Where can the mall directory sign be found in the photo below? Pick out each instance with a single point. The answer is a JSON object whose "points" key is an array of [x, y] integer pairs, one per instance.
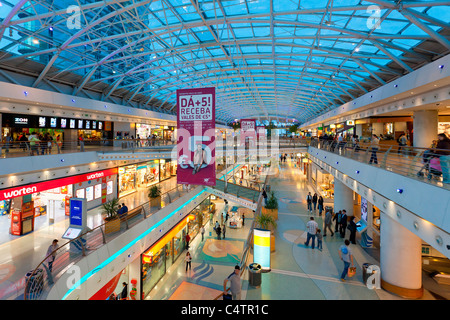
{"points": [[78, 212], [196, 136]]}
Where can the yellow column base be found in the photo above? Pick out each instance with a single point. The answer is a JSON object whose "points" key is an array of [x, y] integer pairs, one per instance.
{"points": [[402, 292]]}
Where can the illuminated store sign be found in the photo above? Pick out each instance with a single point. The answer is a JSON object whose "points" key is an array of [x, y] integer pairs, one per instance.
{"points": [[21, 121], [43, 186]]}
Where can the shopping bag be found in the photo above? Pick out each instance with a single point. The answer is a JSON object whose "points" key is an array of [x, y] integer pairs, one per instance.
{"points": [[351, 271]]}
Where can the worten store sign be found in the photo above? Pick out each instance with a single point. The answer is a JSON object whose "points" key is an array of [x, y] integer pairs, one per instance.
{"points": [[10, 193]]}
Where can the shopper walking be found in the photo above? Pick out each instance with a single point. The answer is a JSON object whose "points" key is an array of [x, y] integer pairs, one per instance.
{"points": [[320, 205], [319, 239], [81, 140], [218, 231], [345, 254], [33, 141], [327, 223], [402, 142], [343, 224], [352, 227], [374, 146], [235, 284], [224, 229], [187, 238], [124, 293], [311, 228], [337, 218], [314, 201], [188, 260], [8, 142], [264, 194], [443, 153], [202, 232], [309, 202], [51, 254]]}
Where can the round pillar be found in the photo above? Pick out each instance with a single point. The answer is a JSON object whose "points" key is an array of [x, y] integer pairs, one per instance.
{"points": [[425, 126], [400, 258], [343, 197]]}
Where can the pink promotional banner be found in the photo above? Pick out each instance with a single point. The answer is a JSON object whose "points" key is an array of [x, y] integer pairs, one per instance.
{"points": [[196, 136], [248, 131], [260, 132]]}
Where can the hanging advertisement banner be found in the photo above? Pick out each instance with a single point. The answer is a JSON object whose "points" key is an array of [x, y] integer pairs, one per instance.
{"points": [[196, 136], [248, 132]]}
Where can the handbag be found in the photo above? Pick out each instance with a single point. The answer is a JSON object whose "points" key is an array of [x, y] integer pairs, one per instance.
{"points": [[351, 271], [227, 296]]}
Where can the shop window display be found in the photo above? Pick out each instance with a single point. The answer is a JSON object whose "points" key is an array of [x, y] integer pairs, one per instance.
{"points": [[178, 244], [127, 180], [147, 174], [164, 169], [153, 269]]}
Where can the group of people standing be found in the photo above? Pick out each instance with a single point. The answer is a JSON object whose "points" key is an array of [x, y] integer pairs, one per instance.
{"points": [[342, 223], [316, 201], [36, 142]]}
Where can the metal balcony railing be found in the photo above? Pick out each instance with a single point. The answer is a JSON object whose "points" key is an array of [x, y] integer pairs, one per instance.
{"points": [[39, 281], [423, 164]]}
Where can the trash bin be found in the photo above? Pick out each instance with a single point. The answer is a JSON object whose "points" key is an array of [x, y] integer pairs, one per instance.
{"points": [[35, 284], [254, 272], [365, 274]]}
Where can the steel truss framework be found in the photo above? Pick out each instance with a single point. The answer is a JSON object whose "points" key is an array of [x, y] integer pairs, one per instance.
{"points": [[284, 59]]}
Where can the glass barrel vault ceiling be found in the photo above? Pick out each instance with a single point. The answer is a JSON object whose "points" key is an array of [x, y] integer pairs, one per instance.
{"points": [[269, 59]]}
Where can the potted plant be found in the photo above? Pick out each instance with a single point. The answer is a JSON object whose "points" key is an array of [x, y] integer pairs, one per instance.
{"points": [[154, 193], [271, 208], [267, 222], [112, 220]]}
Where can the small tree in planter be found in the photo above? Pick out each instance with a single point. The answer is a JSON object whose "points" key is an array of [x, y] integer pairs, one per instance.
{"points": [[267, 222], [154, 193], [112, 220], [271, 208]]}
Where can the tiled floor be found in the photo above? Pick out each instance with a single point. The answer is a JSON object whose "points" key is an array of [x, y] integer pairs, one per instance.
{"points": [[297, 272]]}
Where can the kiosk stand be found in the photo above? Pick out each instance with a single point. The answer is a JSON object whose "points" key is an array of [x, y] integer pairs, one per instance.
{"points": [[78, 223], [22, 219]]}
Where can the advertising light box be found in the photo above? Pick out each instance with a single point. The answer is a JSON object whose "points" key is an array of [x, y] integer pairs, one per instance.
{"points": [[261, 248]]}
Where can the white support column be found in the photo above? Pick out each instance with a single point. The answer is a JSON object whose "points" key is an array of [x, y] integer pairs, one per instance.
{"points": [[134, 272], [400, 258], [343, 197], [425, 125]]}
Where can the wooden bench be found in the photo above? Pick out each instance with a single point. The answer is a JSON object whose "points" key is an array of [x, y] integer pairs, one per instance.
{"points": [[131, 214]]}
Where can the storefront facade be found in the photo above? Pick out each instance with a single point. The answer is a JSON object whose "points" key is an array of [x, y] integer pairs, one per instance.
{"points": [[33, 206], [323, 181], [157, 259], [127, 180], [147, 173]]}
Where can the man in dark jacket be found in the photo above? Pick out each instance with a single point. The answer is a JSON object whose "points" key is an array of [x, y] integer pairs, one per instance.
{"points": [[337, 218], [352, 227], [343, 224]]}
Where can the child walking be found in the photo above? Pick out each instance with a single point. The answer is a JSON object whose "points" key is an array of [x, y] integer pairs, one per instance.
{"points": [[319, 239]]}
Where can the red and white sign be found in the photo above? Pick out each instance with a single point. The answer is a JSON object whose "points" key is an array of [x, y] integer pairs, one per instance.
{"points": [[196, 136], [107, 289], [10, 193]]}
